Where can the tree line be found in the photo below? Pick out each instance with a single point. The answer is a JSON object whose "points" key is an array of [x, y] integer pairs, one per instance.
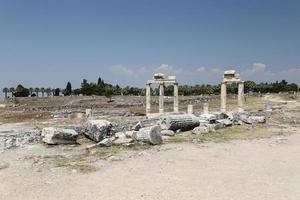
{"points": [[105, 89]]}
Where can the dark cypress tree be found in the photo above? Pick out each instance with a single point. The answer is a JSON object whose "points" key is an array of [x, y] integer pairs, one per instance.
{"points": [[68, 90]]}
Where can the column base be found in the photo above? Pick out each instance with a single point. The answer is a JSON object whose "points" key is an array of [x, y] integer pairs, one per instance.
{"points": [[223, 110]]}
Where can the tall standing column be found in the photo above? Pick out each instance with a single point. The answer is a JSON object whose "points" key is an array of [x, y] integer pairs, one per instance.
{"points": [[176, 100], [161, 98], [223, 97], [148, 98], [241, 97]]}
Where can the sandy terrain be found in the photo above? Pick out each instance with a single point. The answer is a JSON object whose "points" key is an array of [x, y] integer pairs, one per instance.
{"points": [[242, 162], [258, 169]]}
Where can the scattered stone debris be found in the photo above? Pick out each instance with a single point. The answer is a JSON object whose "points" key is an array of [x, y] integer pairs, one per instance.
{"points": [[183, 122], [9, 141], [167, 133], [225, 122], [107, 142], [97, 130], [250, 118], [200, 130], [51, 135], [150, 135]]}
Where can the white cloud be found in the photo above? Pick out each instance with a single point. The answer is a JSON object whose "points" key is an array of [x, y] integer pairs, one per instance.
{"points": [[121, 70], [165, 69], [257, 67], [200, 69], [258, 72]]}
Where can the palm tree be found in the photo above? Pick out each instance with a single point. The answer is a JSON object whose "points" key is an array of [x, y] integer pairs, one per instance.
{"points": [[37, 90], [53, 91], [31, 91], [48, 91], [12, 90], [5, 91], [43, 91]]}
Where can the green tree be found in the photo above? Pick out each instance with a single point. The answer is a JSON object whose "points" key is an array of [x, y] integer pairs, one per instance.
{"points": [[31, 90], [5, 91], [108, 93], [12, 91], [48, 91], [21, 91], [77, 92], [56, 92], [42, 91], [37, 90], [68, 90]]}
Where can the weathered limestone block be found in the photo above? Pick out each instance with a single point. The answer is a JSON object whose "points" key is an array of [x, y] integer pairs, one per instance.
{"points": [[205, 108], [53, 135], [250, 118], [97, 130], [268, 106], [225, 122], [107, 142], [129, 133], [200, 130], [137, 126], [88, 112], [184, 122], [257, 119], [150, 135], [207, 118], [123, 138], [190, 109], [167, 133]]}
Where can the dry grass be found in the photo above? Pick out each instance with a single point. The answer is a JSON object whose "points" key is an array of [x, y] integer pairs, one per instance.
{"points": [[232, 133]]}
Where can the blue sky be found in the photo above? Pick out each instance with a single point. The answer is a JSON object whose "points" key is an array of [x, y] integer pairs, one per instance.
{"points": [[49, 42]]}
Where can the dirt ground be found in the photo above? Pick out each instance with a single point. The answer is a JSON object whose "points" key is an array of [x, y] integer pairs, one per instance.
{"points": [[243, 162]]}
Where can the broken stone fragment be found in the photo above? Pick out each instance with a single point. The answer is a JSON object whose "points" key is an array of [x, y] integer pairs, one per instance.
{"points": [[184, 122], [123, 138], [137, 127], [225, 122], [250, 119], [129, 133], [150, 135], [107, 142], [257, 119], [53, 135], [200, 130], [97, 130], [167, 133]]}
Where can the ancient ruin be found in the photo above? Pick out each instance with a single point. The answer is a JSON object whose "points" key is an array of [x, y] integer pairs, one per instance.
{"points": [[230, 77], [160, 79]]}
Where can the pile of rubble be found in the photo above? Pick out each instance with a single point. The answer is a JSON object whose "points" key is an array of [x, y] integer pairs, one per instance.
{"points": [[151, 131], [8, 141]]}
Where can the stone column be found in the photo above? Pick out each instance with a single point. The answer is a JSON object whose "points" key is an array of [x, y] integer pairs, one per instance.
{"points": [[190, 109], [148, 98], [223, 97], [205, 108], [241, 97], [161, 98], [176, 100]]}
